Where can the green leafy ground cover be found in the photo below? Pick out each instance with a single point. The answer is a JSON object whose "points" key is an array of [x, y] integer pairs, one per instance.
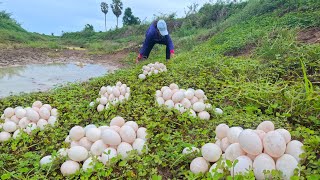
{"points": [[276, 82]]}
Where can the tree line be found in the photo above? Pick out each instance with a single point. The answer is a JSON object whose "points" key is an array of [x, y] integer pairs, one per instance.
{"points": [[117, 7]]}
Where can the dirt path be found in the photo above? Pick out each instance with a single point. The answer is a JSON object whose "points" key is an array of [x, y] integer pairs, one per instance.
{"points": [[23, 56]]}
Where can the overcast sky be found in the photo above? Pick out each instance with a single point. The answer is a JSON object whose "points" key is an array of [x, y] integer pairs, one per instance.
{"points": [[55, 16]]}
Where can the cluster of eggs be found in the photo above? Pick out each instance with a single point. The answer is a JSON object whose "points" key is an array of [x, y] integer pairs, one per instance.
{"points": [[111, 95], [27, 119], [102, 143], [262, 149], [183, 100], [151, 68]]}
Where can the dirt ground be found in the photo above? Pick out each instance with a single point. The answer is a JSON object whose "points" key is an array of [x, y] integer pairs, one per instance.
{"points": [[23, 56], [310, 35]]}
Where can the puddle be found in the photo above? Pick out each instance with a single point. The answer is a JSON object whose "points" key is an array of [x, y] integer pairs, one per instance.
{"points": [[31, 78]]}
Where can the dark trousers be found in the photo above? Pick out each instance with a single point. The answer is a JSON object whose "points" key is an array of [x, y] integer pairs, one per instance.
{"points": [[149, 48]]}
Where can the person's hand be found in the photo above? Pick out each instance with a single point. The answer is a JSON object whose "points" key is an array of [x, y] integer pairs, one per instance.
{"points": [[138, 58], [172, 55]]}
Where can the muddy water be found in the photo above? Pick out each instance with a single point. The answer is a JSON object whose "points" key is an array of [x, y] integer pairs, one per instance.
{"points": [[31, 78]]}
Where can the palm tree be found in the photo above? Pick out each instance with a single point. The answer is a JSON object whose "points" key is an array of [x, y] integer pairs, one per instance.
{"points": [[104, 9], [117, 7]]}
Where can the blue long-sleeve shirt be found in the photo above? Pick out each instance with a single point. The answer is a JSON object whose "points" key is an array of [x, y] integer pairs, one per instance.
{"points": [[153, 37]]}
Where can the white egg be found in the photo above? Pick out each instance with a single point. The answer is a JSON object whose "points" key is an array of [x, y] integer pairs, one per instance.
{"points": [[67, 140], [44, 113], [48, 106], [142, 133], [98, 147], [173, 86], [186, 103], [132, 124], [117, 121], [266, 126], [233, 134], [167, 94], [261, 163], [111, 137], [52, 120], [17, 133], [189, 94], [9, 126], [76, 133], [78, 153], [142, 76], [243, 166], [46, 160], [294, 148], [37, 104], [32, 115], [199, 106], [286, 134], [204, 115], [158, 93], [180, 107], [54, 112], [103, 100], [286, 164], [84, 142], [42, 123], [224, 144], [199, 165], [274, 144], [108, 154], [234, 151], [250, 142], [100, 107], [199, 93], [218, 111], [63, 152], [102, 128], [260, 133], [8, 112], [74, 143], [123, 149], [127, 134], [221, 131], [213, 170], [89, 126], [20, 113], [189, 150], [192, 113], [93, 134], [177, 97], [88, 164], [4, 136], [211, 152], [115, 128], [160, 101], [138, 145], [164, 88], [169, 104], [69, 168]]}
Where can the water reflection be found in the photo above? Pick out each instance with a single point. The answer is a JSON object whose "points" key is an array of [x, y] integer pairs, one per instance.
{"points": [[11, 71], [43, 77]]}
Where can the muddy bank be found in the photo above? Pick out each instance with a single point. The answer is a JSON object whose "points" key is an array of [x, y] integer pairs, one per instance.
{"points": [[25, 56]]}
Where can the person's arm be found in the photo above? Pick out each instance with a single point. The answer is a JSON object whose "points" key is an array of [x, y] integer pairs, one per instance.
{"points": [[171, 46], [146, 43]]}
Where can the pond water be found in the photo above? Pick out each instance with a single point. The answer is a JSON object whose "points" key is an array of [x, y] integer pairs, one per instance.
{"points": [[31, 78]]}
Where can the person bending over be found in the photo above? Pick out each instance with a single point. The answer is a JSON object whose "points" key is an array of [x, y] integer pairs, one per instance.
{"points": [[157, 33]]}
